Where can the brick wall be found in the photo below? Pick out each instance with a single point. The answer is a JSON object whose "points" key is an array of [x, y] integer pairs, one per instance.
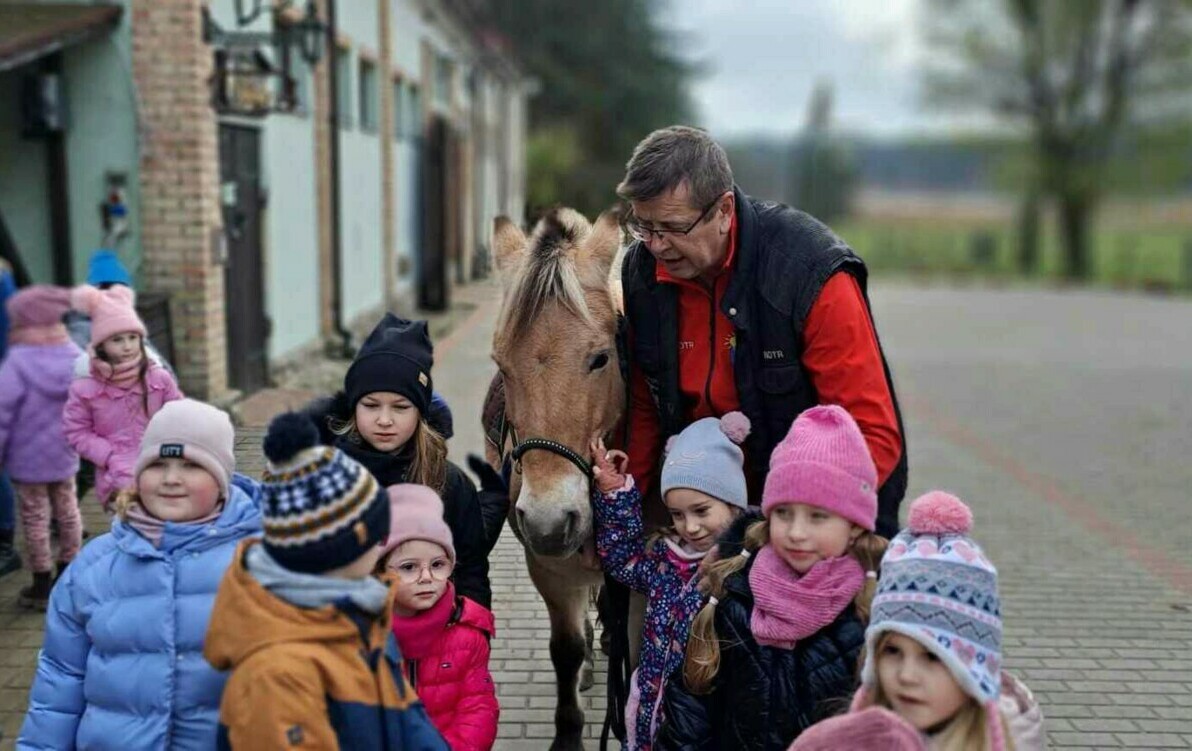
{"points": [[180, 185]]}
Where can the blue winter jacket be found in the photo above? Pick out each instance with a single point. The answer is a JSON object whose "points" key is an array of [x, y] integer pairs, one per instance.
{"points": [[122, 664]]}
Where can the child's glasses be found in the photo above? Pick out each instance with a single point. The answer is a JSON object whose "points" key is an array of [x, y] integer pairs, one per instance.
{"points": [[410, 572]]}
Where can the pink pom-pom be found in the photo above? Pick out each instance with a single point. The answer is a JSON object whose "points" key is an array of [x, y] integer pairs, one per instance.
{"points": [[939, 513], [670, 444], [736, 426], [84, 298], [125, 295]]}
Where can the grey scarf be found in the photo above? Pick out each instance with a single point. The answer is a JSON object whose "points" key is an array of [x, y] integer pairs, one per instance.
{"points": [[311, 591]]}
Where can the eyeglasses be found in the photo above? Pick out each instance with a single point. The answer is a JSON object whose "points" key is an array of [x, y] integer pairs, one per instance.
{"points": [[410, 572], [643, 233]]}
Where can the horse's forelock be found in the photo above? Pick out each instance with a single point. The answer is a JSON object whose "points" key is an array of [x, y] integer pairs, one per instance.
{"points": [[549, 272]]}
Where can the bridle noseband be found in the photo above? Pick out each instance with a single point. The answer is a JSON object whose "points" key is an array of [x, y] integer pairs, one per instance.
{"points": [[541, 444]]}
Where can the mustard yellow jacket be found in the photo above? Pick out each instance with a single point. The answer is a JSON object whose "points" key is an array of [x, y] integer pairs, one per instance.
{"points": [[322, 678]]}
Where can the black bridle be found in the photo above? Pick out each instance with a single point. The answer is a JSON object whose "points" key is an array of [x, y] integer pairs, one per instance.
{"points": [[541, 444]]}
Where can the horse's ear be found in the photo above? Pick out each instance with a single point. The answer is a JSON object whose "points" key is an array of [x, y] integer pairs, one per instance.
{"points": [[604, 241], [509, 244]]}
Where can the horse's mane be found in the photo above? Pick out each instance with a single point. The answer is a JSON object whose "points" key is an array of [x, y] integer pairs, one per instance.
{"points": [[548, 273]]}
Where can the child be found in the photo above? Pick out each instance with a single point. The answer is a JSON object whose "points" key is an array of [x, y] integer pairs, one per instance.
{"points": [[122, 664], [380, 420], [107, 411], [443, 636], [9, 559], [34, 380], [778, 642], [703, 487], [873, 729], [300, 621], [104, 270], [935, 657]]}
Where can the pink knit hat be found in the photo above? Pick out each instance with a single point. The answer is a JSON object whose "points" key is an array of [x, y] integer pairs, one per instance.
{"points": [[416, 513], [824, 462], [192, 430], [873, 729], [38, 305], [111, 311]]}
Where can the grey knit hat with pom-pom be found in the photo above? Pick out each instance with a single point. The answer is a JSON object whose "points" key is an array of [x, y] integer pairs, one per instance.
{"points": [[707, 457], [322, 510]]}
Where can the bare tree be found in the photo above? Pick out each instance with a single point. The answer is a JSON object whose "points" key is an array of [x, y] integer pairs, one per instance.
{"points": [[1077, 73]]}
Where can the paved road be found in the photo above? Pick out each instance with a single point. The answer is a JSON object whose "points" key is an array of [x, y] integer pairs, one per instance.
{"points": [[1062, 417]]}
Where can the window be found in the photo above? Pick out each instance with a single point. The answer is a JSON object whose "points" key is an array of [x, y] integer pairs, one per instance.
{"points": [[413, 112], [369, 93], [398, 110], [343, 79], [444, 75]]}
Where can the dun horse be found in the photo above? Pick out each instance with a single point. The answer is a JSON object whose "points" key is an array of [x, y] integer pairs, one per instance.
{"points": [[555, 346]]}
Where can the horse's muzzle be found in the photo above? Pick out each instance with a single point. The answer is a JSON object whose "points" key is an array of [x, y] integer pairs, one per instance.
{"points": [[556, 539]]}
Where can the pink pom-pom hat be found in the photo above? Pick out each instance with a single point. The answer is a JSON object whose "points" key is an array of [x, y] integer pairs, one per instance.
{"points": [[111, 311]]}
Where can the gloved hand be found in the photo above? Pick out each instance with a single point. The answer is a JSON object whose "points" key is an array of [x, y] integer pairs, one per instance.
{"points": [[490, 479]]}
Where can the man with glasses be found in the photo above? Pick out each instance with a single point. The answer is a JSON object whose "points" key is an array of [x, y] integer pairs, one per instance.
{"points": [[738, 304]]}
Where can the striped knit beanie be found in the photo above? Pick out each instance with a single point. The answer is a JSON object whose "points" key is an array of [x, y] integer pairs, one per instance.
{"points": [[321, 509], [938, 588]]}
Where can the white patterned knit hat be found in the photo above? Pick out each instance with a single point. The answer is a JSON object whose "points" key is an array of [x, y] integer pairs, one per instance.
{"points": [[938, 588]]}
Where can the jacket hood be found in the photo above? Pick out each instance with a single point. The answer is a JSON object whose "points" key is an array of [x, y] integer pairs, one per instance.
{"points": [[247, 618], [47, 369], [733, 539]]}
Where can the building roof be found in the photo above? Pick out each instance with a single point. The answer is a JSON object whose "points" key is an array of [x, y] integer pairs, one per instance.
{"points": [[29, 31]]}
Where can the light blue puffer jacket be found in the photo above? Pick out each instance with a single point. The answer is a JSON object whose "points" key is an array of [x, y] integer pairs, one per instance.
{"points": [[122, 664]]}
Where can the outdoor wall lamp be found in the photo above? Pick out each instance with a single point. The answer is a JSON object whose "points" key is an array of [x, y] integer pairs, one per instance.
{"points": [[310, 29]]}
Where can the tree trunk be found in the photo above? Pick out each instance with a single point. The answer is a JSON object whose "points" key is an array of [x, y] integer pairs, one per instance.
{"points": [[1076, 213], [1028, 233]]}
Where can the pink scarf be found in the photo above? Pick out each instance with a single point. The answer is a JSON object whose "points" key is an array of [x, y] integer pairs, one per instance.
{"points": [[788, 607], [417, 634], [152, 528], [54, 333], [123, 375]]}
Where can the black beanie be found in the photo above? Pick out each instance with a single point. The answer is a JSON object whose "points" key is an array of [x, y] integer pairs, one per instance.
{"points": [[397, 357]]}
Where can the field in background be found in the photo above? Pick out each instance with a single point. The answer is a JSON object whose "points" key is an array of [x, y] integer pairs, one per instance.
{"points": [[1133, 247]]}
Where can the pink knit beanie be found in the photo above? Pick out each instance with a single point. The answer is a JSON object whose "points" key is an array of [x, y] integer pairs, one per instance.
{"points": [[416, 513], [873, 729], [824, 462], [192, 430], [38, 305], [111, 311]]}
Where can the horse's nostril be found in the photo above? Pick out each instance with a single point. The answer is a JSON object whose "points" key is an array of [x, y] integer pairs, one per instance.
{"points": [[521, 518], [571, 524]]}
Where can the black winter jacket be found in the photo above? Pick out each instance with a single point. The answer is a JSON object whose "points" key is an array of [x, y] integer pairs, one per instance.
{"points": [[762, 697], [461, 503]]}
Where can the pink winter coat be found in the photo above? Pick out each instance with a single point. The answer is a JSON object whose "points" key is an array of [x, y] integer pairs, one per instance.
{"points": [[446, 652], [105, 422]]}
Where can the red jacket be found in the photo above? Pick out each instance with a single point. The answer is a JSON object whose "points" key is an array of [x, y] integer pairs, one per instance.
{"points": [[446, 654], [840, 353]]}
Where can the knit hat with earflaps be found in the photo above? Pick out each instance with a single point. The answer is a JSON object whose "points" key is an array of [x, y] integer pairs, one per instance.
{"points": [[938, 588]]}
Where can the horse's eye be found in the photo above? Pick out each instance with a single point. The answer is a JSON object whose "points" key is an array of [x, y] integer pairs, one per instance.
{"points": [[598, 362]]}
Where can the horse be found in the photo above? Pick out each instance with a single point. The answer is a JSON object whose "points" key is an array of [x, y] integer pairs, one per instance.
{"points": [[555, 346]]}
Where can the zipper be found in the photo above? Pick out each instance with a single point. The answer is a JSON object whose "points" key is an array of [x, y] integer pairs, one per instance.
{"points": [[711, 349], [413, 674]]}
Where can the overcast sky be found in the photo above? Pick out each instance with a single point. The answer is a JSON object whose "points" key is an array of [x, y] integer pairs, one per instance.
{"points": [[764, 57]]}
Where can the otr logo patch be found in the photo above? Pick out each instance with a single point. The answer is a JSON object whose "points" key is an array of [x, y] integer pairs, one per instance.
{"points": [[171, 451]]}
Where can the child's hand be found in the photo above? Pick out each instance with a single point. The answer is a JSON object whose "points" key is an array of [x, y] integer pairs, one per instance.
{"points": [[608, 467]]}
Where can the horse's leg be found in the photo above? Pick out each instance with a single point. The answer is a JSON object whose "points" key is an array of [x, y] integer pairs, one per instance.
{"points": [[587, 675], [567, 605]]}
